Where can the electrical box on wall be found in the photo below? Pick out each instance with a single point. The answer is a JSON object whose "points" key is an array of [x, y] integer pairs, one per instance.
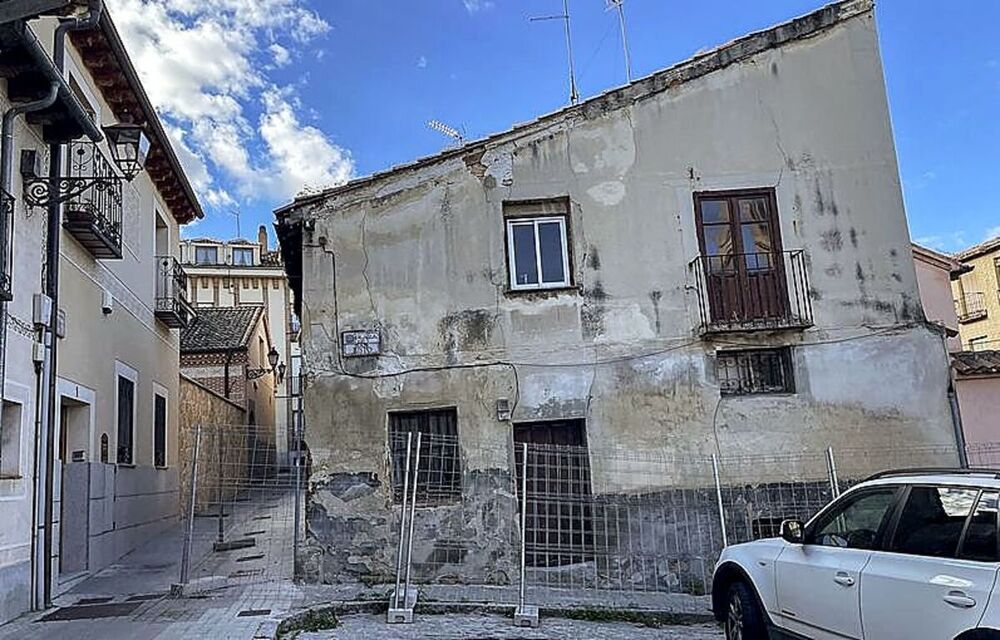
{"points": [[41, 310], [503, 409], [61, 323], [360, 342]]}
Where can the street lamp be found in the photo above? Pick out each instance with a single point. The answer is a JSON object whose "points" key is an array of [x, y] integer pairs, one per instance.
{"points": [[272, 359], [129, 146]]}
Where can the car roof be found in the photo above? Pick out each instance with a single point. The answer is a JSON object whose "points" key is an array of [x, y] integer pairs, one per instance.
{"points": [[984, 478]]}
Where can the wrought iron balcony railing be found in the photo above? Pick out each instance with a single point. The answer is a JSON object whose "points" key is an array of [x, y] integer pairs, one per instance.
{"points": [[172, 306], [94, 214], [6, 245], [752, 292], [971, 306]]}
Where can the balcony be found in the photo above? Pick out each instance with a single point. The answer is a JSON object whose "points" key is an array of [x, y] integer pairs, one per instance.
{"points": [[6, 245], [172, 306], [971, 307], [94, 215], [740, 292]]}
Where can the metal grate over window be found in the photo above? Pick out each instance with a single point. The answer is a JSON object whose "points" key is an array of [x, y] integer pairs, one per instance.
{"points": [[755, 371], [439, 478]]}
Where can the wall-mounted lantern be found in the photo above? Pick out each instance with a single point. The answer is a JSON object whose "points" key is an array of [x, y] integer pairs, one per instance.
{"points": [[272, 359], [129, 147]]}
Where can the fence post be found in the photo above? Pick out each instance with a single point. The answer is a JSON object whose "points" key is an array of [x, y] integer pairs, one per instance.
{"points": [[218, 493], [192, 494], [524, 616], [524, 520], [718, 496], [831, 465], [402, 524], [297, 523], [413, 509]]}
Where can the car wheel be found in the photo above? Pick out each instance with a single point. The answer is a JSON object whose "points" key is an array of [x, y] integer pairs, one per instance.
{"points": [[744, 620]]}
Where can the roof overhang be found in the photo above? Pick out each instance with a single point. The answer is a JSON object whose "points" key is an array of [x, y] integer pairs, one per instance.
{"points": [[30, 73], [105, 57], [11, 10], [289, 232]]}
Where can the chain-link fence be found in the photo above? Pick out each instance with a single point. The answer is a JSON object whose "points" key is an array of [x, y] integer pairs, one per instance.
{"points": [[243, 506], [561, 525]]}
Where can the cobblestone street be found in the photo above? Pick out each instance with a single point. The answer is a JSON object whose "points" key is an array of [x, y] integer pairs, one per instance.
{"points": [[493, 627]]}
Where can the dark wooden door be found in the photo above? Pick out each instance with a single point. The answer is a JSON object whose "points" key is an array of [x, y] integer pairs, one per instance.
{"points": [[740, 244], [559, 513]]}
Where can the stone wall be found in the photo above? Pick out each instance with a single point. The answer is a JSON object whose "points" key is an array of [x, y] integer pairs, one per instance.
{"points": [[224, 429]]}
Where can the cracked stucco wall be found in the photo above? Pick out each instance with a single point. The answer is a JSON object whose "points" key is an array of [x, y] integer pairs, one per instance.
{"points": [[420, 255]]}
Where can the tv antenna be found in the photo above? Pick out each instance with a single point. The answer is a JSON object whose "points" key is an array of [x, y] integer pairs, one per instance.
{"points": [[619, 6], [574, 96], [451, 132], [236, 214]]}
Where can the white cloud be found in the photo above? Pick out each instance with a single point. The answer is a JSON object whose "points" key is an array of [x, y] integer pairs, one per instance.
{"points": [[992, 233], [205, 65], [472, 6], [422, 62], [282, 56], [302, 155]]}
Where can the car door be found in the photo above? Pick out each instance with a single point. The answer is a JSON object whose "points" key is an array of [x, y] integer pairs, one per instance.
{"points": [[935, 576], [817, 582]]}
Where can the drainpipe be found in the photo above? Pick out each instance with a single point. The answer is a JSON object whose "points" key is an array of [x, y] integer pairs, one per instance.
{"points": [[956, 421], [6, 183], [52, 290]]}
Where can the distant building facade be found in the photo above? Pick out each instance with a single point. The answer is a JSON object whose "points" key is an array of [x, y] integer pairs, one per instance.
{"points": [[241, 273], [977, 296]]}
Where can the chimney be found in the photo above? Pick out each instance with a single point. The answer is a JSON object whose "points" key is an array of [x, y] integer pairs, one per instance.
{"points": [[262, 238]]}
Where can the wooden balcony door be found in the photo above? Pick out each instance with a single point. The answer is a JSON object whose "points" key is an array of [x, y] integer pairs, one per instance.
{"points": [[740, 243]]}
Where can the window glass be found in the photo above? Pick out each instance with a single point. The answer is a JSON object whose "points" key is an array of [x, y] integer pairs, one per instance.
{"points": [[159, 431], [126, 404], [980, 541], [206, 255], [719, 240], [932, 521], [714, 211], [551, 245], [525, 259], [243, 256], [855, 523]]}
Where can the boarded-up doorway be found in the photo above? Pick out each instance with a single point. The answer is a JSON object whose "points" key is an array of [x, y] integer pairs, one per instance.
{"points": [[559, 514]]}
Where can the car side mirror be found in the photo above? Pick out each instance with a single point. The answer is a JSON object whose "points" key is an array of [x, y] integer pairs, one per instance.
{"points": [[793, 532]]}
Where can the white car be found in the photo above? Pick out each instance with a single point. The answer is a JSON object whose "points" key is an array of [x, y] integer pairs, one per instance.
{"points": [[905, 555]]}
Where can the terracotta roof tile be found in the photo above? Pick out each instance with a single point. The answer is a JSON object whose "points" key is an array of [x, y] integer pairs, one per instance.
{"points": [[220, 329]]}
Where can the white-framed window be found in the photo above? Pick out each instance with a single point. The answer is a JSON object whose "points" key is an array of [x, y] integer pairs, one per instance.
{"points": [[206, 255], [126, 381], [537, 252], [243, 256]]}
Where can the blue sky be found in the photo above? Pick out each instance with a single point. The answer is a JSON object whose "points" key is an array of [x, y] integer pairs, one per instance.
{"points": [[264, 97]]}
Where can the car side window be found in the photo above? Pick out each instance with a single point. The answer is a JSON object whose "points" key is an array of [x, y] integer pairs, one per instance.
{"points": [[980, 541], [855, 523], [932, 521]]}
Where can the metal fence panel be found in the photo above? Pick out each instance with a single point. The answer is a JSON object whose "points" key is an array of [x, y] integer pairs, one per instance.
{"points": [[241, 506]]}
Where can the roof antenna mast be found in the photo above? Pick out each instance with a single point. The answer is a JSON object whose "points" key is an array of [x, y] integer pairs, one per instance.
{"points": [[574, 96], [451, 132], [619, 5]]}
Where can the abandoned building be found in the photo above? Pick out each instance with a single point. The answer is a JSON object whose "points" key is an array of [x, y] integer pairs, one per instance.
{"points": [[713, 259]]}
